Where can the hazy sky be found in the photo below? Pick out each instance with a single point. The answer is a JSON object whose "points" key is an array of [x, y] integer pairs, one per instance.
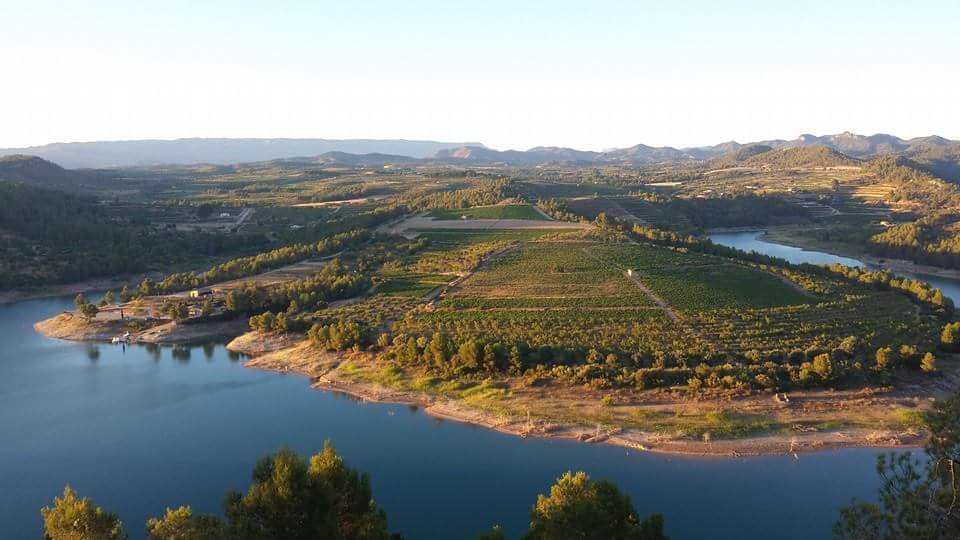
{"points": [[510, 74]]}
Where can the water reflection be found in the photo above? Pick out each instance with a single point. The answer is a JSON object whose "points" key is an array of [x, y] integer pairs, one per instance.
{"points": [[92, 351], [188, 431], [752, 241], [153, 350], [180, 353]]}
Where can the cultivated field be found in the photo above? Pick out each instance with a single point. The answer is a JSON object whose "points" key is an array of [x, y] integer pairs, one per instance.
{"points": [[499, 211], [412, 226]]}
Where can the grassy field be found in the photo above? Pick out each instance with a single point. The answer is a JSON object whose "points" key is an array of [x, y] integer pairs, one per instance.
{"points": [[501, 211]]}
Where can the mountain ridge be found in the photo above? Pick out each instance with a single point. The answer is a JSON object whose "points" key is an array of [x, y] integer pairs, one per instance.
{"points": [[938, 151]]}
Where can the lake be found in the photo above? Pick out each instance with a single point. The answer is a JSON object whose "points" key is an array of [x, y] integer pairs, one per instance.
{"points": [[139, 429], [751, 241]]}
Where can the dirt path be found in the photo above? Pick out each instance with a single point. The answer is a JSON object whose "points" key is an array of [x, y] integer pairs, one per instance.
{"points": [[660, 303], [434, 294], [542, 213], [635, 279], [410, 225]]}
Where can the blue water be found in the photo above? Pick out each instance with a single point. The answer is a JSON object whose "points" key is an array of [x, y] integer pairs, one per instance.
{"points": [[141, 429], [750, 241]]}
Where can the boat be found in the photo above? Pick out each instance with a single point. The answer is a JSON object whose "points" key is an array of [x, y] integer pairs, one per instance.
{"points": [[125, 338]]}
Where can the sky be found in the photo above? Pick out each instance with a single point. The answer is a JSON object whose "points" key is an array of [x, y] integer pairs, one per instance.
{"points": [[510, 74]]}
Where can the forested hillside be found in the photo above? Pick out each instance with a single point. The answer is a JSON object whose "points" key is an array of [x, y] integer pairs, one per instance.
{"points": [[806, 156], [49, 236]]}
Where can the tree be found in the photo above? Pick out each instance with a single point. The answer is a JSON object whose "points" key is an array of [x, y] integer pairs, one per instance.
{"points": [[291, 499], [603, 222], [79, 301], [182, 524], [849, 345], [89, 311], [73, 518], [950, 336], [886, 357], [438, 350], [147, 287], [470, 354], [579, 508], [516, 360], [125, 294], [928, 363], [823, 365], [206, 309], [177, 310], [918, 498]]}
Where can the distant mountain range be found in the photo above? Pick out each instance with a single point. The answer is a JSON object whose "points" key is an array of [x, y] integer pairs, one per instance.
{"points": [[941, 156], [103, 154], [849, 144]]}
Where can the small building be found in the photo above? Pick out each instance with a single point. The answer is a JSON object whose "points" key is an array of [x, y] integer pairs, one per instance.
{"points": [[200, 293]]}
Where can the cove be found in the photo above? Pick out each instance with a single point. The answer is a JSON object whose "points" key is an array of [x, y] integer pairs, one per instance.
{"points": [[139, 429]]}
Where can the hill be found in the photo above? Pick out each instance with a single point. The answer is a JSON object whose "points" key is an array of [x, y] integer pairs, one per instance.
{"points": [[540, 154], [40, 172], [216, 151], [804, 156], [344, 159], [641, 153], [941, 160], [739, 156]]}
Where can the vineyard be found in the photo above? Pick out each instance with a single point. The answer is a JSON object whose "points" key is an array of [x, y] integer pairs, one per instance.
{"points": [[563, 299], [689, 281], [500, 211]]}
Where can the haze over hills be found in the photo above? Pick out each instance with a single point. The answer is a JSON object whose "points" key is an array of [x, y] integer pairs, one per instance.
{"points": [[101, 154], [938, 155]]}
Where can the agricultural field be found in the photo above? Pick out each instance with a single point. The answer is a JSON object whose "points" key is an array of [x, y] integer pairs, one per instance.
{"points": [[674, 308], [501, 211], [549, 274], [694, 282], [411, 284]]}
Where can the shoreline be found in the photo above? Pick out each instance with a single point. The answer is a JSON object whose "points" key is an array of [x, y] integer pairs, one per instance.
{"points": [[70, 289], [321, 371], [72, 327], [893, 265], [292, 354], [791, 430]]}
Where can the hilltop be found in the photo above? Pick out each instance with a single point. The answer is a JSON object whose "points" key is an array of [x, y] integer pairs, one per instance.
{"points": [[40, 172], [804, 156], [739, 156]]}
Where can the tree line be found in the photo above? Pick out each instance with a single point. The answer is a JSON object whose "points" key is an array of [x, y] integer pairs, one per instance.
{"points": [[292, 497]]}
